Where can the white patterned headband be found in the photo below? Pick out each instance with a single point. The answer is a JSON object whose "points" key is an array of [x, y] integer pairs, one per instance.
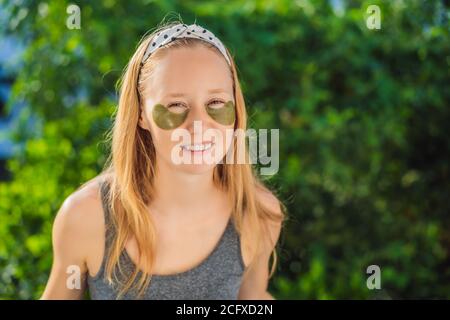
{"points": [[183, 31]]}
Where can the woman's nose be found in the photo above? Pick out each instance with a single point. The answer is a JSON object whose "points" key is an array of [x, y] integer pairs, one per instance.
{"points": [[198, 116]]}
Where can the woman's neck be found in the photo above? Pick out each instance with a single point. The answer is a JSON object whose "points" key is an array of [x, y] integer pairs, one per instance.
{"points": [[178, 193]]}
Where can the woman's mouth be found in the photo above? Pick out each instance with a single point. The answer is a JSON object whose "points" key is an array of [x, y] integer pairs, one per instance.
{"points": [[197, 148]]}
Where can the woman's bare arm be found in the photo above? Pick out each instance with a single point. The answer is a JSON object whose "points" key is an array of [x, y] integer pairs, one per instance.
{"points": [[255, 282], [77, 232]]}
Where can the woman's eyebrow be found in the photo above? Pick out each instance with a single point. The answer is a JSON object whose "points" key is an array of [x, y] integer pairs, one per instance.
{"points": [[218, 90], [177, 94]]}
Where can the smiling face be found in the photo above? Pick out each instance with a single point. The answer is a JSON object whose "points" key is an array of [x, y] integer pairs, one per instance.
{"points": [[189, 108]]}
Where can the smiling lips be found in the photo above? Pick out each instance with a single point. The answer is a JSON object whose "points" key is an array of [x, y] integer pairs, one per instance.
{"points": [[197, 147]]}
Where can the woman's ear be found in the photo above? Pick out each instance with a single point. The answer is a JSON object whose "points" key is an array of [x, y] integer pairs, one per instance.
{"points": [[143, 123]]}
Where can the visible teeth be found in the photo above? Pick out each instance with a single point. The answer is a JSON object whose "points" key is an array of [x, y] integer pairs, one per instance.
{"points": [[197, 147]]}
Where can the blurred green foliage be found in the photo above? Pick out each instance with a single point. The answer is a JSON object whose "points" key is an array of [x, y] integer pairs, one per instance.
{"points": [[363, 115]]}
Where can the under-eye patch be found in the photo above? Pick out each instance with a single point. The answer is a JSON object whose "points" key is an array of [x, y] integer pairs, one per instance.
{"points": [[167, 120], [224, 115]]}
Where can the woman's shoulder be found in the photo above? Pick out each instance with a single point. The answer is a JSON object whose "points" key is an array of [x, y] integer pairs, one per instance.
{"points": [[269, 200], [79, 223], [84, 204], [276, 214]]}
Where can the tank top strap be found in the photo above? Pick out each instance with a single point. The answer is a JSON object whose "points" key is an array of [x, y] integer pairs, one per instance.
{"points": [[107, 212]]}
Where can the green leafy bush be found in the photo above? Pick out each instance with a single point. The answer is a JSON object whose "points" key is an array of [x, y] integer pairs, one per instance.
{"points": [[364, 149]]}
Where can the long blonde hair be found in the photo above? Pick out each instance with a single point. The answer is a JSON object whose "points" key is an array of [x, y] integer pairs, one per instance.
{"points": [[130, 169]]}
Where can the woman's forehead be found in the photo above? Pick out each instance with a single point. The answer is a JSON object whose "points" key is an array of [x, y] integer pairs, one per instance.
{"points": [[186, 69]]}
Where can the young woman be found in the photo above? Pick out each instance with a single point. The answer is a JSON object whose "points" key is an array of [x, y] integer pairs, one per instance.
{"points": [[150, 227]]}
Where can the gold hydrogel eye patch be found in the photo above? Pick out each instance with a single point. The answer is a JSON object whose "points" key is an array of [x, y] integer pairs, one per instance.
{"points": [[167, 120], [224, 115]]}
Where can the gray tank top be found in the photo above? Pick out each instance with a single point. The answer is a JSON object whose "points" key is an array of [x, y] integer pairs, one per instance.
{"points": [[218, 277]]}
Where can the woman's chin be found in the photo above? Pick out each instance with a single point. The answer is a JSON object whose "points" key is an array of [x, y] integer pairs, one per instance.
{"points": [[195, 169], [196, 162]]}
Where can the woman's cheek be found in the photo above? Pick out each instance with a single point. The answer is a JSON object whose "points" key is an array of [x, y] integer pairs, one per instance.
{"points": [[163, 142]]}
